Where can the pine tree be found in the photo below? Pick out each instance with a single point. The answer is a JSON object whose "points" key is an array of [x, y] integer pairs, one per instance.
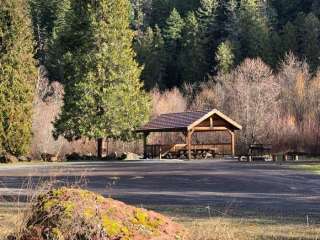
{"points": [[207, 12], [18, 76], [44, 14], [174, 26], [161, 10], [172, 34], [206, 15], [151, 53], [103, 96], [276, 46], [57, 44], [310, 44], [299, 24], [289, 39], [232, 27], [255, 35], [138, 15], [225, 57], [192, 57]]}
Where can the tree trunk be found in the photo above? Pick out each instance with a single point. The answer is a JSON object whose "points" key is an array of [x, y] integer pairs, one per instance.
{"points": [[100, 147]]}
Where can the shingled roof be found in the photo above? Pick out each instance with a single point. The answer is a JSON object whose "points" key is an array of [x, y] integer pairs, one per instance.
{"points": [[183, 121]]}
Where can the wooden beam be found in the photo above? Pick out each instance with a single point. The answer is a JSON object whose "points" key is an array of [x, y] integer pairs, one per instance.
{"points": [[210, 129], [211, 122]]}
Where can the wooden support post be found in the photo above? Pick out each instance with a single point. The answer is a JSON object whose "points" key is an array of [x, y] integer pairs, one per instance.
{"points": [[100, 147], [145, 141], [189, 144], [233, 144]]}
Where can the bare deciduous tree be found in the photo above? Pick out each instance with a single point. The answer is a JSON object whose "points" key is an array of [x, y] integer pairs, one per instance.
{"points": [[251, 93]]}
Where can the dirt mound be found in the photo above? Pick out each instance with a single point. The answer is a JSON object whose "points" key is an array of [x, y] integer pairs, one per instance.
{"points": [[75, 214]]}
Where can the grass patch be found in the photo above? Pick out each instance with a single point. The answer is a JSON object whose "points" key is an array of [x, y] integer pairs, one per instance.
{"points": [[244, 229], [314, 168], [11, 216]]}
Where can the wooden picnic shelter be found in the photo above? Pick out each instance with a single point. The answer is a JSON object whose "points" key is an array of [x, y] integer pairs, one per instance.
{"points": [[189, 123]]}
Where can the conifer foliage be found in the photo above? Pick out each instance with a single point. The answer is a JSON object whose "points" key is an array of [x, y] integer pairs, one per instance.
{"points": [[18, 74], [103, 96]]}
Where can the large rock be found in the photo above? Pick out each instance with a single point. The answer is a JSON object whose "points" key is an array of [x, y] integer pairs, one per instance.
{"points": [[75, 214], [8, 158], [130, 156], [48, 157], [24, 159]]}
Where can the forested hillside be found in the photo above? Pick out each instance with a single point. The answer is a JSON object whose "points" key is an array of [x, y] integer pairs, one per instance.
{"points": [[102, 63], [186, 41]]}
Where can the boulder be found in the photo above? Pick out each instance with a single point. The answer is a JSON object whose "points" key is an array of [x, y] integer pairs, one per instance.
{"points": [[130, 156], [70, 214], [8, 158], [24, 159], [48, 157], [54, 159]]}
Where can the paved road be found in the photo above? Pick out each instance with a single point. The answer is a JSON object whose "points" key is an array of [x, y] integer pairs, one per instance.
{"points": [[251, 188]]}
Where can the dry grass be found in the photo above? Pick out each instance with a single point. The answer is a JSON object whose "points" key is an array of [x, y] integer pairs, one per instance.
{"points": [[214, 228], [244, 229], [11, 216]]}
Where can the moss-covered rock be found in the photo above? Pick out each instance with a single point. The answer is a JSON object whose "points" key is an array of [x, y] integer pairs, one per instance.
{"points": [[75, 214]]}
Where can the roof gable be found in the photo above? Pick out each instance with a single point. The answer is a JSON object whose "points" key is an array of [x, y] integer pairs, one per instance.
{"points": [[183, 121], [218, 113]]}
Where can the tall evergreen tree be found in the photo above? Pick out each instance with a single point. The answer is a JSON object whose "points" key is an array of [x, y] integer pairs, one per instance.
{"points": [[289, 39], [18, 76], [151, 53], [172, 34], [138, 15], [43, 14], [192, 57], [57, 44], [103, 96], [225, 57], [206, 14], [232, 27], [255, 34], [299, 23], [311, 44], [161, 10]]}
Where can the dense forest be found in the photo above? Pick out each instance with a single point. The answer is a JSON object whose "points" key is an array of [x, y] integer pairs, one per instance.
{"points": [[85, 70], [187, 41]]}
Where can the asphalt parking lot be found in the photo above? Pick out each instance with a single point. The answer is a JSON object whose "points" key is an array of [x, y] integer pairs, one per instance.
{"points": [[221, 184]]}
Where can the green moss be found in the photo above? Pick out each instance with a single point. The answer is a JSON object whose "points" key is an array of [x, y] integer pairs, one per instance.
{"points": [[49, 204], [58, 192], [56, 234], [114, 228], [89, 213], [142, 218], [69, 207], [54, 202]]}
